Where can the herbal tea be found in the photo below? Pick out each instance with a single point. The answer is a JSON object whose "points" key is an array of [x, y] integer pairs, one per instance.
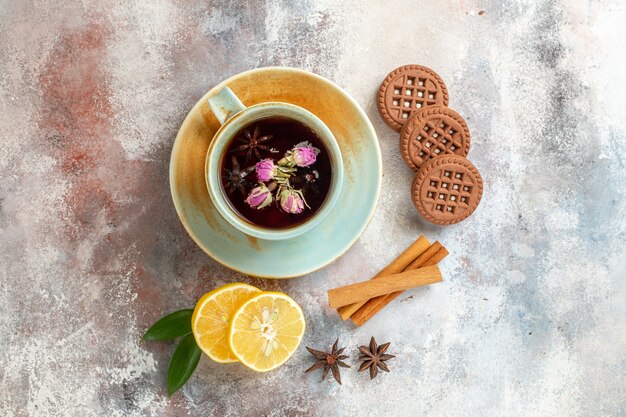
{"points": [[276, 172]]}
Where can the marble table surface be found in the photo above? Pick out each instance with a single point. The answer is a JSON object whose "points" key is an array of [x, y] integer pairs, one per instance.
{"points": [[531, 317]]}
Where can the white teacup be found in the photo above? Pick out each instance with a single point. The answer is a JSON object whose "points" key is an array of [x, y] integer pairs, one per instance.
{"points": [[234, 116]]}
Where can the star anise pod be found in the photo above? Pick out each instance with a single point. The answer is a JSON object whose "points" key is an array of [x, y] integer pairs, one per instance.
{"points": [[329, 361], [235, 178], [252, 143], [374, 357]]}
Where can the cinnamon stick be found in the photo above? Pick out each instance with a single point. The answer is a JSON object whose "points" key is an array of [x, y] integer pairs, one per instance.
{"points": [[366, 290], [397, 265], [432, 256]]}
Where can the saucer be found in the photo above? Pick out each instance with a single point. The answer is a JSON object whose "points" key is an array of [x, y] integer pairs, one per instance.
{"points": [[319, 246]]}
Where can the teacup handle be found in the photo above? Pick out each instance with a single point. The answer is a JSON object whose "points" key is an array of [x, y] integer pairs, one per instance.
{"points": [[225, 104]]}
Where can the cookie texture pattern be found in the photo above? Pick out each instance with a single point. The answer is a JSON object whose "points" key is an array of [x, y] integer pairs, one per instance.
{"points": [[433, 131], [447, 189], [408, 89]]}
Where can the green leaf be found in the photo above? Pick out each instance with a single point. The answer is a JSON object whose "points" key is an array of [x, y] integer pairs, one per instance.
{"points": [[171, 326], [183, 363]]}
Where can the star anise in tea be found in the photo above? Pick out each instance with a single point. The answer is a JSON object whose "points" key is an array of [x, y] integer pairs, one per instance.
{"points": [[329, 361], [236, 178], [252, 144], [374, 357]]}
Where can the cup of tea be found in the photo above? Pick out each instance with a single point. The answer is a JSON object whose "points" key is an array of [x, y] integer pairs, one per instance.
{"points": [[273, 170]]}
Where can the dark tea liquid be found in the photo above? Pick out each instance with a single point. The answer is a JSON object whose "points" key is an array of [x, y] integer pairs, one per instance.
{"points": [[314, 180]]}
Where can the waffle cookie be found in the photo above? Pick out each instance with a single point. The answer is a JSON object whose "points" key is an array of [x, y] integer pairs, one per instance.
{"points": [[433, 131], [408, 89], [447, 189]]}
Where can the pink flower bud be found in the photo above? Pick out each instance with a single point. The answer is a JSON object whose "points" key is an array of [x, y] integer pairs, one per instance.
{"points": [[265, 170], [291, 201], [304, 154], [260, 197]]}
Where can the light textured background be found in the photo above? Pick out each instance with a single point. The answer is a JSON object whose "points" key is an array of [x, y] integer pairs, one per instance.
{"points": [[531, 319]]}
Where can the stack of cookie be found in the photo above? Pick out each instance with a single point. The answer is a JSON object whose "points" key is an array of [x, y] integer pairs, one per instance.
{"points": [[434, 142]]}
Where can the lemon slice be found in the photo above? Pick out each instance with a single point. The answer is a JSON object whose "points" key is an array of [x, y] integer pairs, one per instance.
{"points": [[266, 330], [211, 319]]}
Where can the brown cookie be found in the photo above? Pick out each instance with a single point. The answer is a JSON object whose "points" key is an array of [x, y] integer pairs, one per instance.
{"points": [[433, 131], [408, 89], [447, 189]]}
